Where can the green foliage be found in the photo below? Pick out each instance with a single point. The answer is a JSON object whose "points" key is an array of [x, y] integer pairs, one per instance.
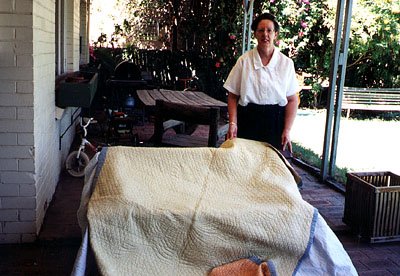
{"points": [[206, 36], [305, 36], [374, 51]]}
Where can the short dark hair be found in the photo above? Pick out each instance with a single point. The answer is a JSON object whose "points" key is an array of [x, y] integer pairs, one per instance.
{"points": [[265, 16]]}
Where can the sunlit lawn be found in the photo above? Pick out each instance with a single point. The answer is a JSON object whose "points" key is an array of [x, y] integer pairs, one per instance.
{"points": [[364, 145]]}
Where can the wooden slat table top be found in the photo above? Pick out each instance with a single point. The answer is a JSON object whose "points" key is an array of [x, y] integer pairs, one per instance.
{"points": [[149, 97]]}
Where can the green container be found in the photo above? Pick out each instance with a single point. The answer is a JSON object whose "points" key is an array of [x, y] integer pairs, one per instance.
{"points": [[77, 92]]}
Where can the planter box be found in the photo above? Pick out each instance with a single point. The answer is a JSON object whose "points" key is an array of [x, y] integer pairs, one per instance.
{"points": [[77, 90], [91, 69], [372, 205]]}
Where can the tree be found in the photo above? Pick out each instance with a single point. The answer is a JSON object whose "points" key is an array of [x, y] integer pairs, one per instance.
{"points": [[205, 36], [374, 50]]}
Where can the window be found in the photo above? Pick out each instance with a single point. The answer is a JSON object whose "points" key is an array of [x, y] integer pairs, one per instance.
{"points": [[61, 61]]}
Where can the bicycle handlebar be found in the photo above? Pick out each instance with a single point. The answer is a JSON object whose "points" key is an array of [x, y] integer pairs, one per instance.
{"points": [[85, 126]]}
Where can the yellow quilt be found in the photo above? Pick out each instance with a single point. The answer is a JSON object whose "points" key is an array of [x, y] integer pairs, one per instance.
{"points": [[184, 211]]}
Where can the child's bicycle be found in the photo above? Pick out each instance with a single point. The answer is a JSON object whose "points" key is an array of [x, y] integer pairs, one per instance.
{"points": [[77, 160]]}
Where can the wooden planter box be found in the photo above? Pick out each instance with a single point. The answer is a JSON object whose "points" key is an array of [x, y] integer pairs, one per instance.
{"points": [[90, 69], [77, 90], [372, 205]]}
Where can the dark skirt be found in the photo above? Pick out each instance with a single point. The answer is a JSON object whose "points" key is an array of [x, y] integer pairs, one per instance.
{"points": [[263, 123]]}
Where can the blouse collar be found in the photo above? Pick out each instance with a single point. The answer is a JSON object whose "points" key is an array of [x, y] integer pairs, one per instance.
{"points": [[257, 59]]}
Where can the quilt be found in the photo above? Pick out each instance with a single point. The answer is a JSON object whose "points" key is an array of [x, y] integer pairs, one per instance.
{"points": [[186, 211]]}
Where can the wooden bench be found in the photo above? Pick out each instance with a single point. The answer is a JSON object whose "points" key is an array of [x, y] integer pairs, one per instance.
{"points": [[380, 99]]}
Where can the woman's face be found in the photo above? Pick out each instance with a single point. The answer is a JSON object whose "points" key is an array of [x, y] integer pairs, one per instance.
{"points": [[266, 33]]}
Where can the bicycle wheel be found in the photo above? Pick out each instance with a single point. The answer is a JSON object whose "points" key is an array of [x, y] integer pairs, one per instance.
{"points": [[76, 166]]}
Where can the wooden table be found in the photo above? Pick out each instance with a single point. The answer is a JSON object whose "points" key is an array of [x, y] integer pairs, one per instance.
{"points": [[149, 97], [193, 98]]}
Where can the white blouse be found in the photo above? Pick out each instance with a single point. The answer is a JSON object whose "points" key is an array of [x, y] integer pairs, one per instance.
{"points": [[259, 84]]}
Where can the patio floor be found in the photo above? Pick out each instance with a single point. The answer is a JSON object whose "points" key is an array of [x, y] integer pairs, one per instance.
{"points": [[54, 251]]}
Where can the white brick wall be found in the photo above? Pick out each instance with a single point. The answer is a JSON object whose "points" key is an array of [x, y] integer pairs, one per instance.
{"points": [[46, 148], [8, 113], [30, 158]]}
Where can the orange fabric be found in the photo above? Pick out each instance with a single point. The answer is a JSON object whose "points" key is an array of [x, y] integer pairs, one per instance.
{"points": [[243, 267]]}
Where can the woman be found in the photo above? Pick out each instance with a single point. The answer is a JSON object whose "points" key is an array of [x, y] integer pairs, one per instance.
{"points": [[262, 86]]}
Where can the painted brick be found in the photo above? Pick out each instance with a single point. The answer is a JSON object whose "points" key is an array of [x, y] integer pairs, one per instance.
{"points": [[16, 20], [26, 238], [18, 203], [8, 165], [17, 178], [27, 190], [24, 87], [41, 48], [23, 34], [27, 215], [24, 113], [24, 47], [7, 60], [19, 227], [26, 165], [6, 6], [8, 215], [22, 152], [8, 139], [7, 33], [17, 100], [24, 6], [10, 238], [14, 73], [25, 139], [24, 61], [9, 190], [7, 87], [7, 47], [16, 126], [8, 113]]}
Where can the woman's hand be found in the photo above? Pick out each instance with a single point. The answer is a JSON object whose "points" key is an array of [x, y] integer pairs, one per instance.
{"points": [[290, 115], [286, 141], [232, 131]]}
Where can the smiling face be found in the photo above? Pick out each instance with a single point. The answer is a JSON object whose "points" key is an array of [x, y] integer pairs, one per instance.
{"points": [[266, 34]]}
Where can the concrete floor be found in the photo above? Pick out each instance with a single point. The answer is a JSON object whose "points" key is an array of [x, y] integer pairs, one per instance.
{"points": [[54, 251]]}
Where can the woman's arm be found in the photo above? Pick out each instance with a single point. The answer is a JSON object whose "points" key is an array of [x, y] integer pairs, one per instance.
{"points": [[232, 110], [290, 115]]}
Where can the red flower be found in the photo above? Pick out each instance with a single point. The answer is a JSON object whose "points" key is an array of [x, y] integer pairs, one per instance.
{"points": [[217, 64]]}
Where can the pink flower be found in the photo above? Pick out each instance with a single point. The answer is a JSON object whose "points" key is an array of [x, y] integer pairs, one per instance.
{"points": [[278, 42], [272, 1], [232, 36], [301, 34], [217, 64], [303, 24]]}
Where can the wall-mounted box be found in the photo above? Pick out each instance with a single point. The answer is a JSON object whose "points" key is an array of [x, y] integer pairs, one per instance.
{"points": [[77, 90]]}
